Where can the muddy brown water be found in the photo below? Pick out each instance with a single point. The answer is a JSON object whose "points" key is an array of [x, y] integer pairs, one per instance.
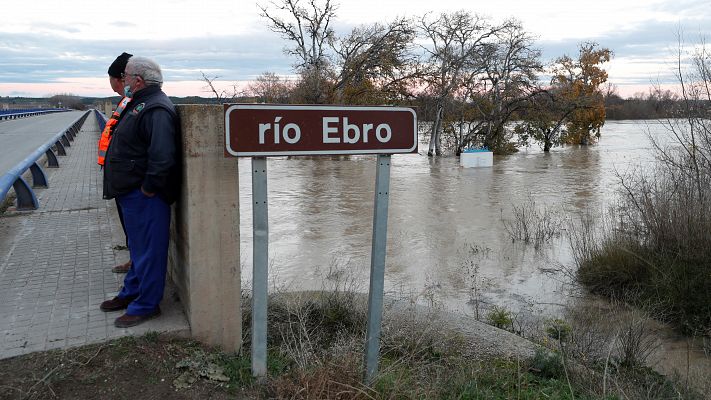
{"points": [[445, 230]]}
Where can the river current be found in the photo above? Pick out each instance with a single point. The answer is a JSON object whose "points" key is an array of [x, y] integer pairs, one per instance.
{"points": [[445, 225]]}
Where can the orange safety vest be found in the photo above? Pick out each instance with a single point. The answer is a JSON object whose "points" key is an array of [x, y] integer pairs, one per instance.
{"points": [[108, 129]]}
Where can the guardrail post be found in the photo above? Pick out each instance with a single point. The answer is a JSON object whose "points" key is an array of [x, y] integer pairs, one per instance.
{"points": [[26, 199], [39, 179], [52, 161], [60, 148]]}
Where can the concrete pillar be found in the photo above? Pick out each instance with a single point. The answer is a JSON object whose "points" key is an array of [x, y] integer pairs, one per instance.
{"points": [[108, 108], [204, 251]]}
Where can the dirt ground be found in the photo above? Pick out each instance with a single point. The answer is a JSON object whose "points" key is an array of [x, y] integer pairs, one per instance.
{"points": [[149, 367]]}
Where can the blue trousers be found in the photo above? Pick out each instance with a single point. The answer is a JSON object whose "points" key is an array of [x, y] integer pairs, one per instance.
{"points": [[147, 221]]}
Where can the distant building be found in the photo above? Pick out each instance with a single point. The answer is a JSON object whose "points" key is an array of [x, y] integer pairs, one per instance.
{"points": [[22, 103]]}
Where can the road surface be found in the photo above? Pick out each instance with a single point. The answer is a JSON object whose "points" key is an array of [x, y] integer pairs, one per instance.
{"points": [[20, 137]]}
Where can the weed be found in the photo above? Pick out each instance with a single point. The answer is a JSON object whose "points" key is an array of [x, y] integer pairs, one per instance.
{"points": [[123, 345], [558, 329], [238, 367], [532, 224], [500, 317], [151, 336], [548, 364], [477, 285], [636, 341]]}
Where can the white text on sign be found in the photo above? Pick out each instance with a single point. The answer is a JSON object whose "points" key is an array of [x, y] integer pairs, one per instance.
{"points": [[332, 131]]}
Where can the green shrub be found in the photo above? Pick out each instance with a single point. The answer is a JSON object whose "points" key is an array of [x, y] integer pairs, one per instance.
{"points": [[674, 289], [558, 329], [548, 364], [500, 317]]}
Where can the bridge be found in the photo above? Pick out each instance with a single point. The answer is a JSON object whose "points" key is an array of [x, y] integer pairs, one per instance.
{"points": [[55, 262]]}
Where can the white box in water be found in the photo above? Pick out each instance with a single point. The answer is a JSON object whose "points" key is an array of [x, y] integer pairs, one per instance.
{"points": [[474, 159]]}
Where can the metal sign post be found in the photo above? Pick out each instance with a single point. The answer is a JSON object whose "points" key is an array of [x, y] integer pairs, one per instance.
{"points": [[377, 267], [262, 130], [260, 256]]}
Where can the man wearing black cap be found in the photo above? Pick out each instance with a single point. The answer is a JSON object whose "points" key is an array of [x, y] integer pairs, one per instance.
{"points": [[116, 71], [142, 172]]}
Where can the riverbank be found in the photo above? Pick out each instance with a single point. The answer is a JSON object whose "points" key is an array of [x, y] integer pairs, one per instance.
{"points": [[316, 351]]}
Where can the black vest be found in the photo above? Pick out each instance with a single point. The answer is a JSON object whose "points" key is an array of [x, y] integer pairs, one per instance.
{"points": [[127, 165]]}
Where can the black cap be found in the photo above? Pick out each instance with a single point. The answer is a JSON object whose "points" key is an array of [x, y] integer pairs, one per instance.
{"points": [[119, 65]]}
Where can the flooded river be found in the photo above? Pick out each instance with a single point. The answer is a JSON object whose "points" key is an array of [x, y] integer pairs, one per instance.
{"points": [[447, 243], [445, 230]]}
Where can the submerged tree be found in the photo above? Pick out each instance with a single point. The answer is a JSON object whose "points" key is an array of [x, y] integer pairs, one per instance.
{"points": [[457, 43], [543, 120], [579, 81], [511, 67]]}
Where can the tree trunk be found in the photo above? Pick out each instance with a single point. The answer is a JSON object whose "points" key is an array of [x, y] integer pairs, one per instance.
{"points": [[434, 137]]}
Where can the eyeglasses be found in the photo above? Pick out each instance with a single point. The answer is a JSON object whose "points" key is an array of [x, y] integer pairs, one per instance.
{"points": [[124, 75]]}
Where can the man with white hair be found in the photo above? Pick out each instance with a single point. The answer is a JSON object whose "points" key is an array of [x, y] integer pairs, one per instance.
{"points": [[142, 172]]}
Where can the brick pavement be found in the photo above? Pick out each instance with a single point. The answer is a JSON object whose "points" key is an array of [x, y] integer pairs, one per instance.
{"points": [[55, 262]]}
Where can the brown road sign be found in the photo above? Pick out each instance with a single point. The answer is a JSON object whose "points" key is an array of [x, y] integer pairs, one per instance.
{"points": [[258, 130]]}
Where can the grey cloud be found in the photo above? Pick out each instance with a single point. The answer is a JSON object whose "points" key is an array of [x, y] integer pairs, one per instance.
{"points": [[649, 39], [43, 58], [681, 8]]}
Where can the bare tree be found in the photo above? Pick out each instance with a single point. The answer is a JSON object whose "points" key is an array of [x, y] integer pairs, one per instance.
{"points": [[271, 88], [308, 29], [692, 131], [220, 95], [375, 62], [452, 55], [511, 65]]}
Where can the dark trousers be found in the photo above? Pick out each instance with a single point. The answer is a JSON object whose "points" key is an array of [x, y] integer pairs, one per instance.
{"points": [[123, 225], [147, 221]]}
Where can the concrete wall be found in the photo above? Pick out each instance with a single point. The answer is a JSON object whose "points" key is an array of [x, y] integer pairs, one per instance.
{"points": [[204, 250], [108, 108]]}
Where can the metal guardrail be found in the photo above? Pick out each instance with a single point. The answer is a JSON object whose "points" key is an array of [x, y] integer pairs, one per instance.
{"points": [[101, 118], [26, 199], [15, 114]]}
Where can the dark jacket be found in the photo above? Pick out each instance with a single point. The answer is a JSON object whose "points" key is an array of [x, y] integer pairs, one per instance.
{"points": [[144, 149]]}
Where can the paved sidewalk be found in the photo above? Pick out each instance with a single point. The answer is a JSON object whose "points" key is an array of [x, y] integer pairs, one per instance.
{"points": [[55, 262]]}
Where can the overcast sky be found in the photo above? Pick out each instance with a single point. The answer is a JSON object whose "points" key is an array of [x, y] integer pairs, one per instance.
{"points": [[49, 47]]}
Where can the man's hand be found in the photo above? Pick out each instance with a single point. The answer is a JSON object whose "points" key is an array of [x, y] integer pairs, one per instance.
{"points": [[148, 194]]}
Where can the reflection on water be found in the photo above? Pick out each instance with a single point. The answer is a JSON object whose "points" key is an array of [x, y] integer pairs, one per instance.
{"points": [[320, 213]]}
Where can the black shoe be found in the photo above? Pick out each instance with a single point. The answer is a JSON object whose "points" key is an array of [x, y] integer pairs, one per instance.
{"points": [[122, 268], [127, 321], [115, 304]]}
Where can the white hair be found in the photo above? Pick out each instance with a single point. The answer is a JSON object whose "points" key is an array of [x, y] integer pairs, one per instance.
{"points": [[147, 69]]}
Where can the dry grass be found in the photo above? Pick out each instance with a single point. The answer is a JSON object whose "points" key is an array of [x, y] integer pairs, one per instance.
{"points": [[532, 223]]}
